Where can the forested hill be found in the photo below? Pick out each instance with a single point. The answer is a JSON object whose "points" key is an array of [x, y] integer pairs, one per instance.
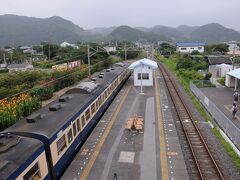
{"points": [[21, 30]]}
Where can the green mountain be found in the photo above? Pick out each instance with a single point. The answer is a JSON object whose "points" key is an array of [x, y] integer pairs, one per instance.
{"points": [[126, 33], [186, 30], [214, 33], [21, 30]]}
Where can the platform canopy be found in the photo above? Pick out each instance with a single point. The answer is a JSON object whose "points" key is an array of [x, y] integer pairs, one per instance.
{"points": [[144, 61], [235, 73]]}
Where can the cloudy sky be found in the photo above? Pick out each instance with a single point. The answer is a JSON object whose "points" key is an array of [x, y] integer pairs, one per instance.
{"points": [[100, 13]]}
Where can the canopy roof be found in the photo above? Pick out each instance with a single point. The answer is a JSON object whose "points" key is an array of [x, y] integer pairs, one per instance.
{"points": [[144, 61], [224, 65], [235, 73]]}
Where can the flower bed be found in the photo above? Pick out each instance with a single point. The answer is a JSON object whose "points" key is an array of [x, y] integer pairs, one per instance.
{"points": [[14, 108]]}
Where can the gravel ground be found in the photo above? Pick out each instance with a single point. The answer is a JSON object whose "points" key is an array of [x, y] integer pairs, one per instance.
{"points": [[224, 161]]}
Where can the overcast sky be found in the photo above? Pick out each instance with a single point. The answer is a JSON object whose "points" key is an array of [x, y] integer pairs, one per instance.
{"points": [[102, 13]]}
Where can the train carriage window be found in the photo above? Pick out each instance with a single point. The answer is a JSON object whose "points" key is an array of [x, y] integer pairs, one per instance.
{"points": [[103, 99], [100, 101], [83, 121], [61, 144], [33, 173], [87, 114], [97, 104], [74, 129], [93, 108], [70, 136], [78, 125]]}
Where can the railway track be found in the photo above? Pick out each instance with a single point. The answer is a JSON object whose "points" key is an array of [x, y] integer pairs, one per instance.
{"points": [[204, 166]]}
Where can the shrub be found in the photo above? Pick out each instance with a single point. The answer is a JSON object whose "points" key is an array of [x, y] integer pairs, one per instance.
{"points": [[208, 76], [221, 81], [42, 93], [4, 70]]}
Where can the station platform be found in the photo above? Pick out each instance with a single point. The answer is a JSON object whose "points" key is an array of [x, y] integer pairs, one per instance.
{"points": [[112, 151], [223, 99]]}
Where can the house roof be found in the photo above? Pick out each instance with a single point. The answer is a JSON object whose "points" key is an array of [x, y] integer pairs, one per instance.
{"points": [[22, 65], [190, 44], [235, 73], [144, 61], [213, 60]]}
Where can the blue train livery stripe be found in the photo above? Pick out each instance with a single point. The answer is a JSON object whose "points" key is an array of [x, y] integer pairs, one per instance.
{"points": [[27, 163]]}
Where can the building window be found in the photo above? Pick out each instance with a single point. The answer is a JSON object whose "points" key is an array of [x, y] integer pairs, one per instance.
{"points": [[192, 48], [199, 48], [74, 129], [83, 121], [139, 76], [93, 108], [33, 173], [70, 136], [183, 48], [61, 144], [78, 125], [87, 114], [145, 76]]}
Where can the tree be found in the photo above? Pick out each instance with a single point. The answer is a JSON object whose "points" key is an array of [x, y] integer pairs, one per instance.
{"points": [[18, 56], [216, 49], [195, 52], [185, 62], [223, 48], [167, 49], [50, 50]]}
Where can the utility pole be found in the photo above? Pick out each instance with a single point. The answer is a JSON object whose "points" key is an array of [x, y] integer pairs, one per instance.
{"points": [[49, 51], [4, 58], [89, 64], [152, 51], [125, 49]]}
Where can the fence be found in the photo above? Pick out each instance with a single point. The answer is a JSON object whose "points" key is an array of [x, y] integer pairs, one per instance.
{"points": [[221, 119]]}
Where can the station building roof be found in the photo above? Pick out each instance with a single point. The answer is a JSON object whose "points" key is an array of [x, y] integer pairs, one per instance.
{"points": [[144, 61]]}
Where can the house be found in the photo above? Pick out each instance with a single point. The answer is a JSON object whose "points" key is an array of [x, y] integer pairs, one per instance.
{"points": [[189, 47], [143, 72], [29, 51], [232, 79], [66, 44], [214, 65], [223, 69], [110, 48], [19, 67], [232, 46]]}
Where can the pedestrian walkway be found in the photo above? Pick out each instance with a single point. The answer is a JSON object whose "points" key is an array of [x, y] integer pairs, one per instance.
{"points": [[223, 99], [111, 150]]}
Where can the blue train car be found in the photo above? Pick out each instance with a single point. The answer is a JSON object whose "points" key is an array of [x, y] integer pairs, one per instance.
{"points": [[64, 125]]}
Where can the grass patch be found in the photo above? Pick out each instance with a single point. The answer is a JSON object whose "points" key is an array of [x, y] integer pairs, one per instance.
{"points": [[227, 147], [184, 81]]}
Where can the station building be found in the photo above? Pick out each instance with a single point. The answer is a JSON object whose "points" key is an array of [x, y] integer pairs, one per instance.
{"points": [[143, 72]]}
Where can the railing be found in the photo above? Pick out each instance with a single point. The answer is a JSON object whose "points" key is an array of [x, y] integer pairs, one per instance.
{"points": [[232, 131]]}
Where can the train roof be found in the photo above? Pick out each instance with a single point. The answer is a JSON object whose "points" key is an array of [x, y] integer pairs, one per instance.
{"points": [[15, 151], [48, 123]]}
